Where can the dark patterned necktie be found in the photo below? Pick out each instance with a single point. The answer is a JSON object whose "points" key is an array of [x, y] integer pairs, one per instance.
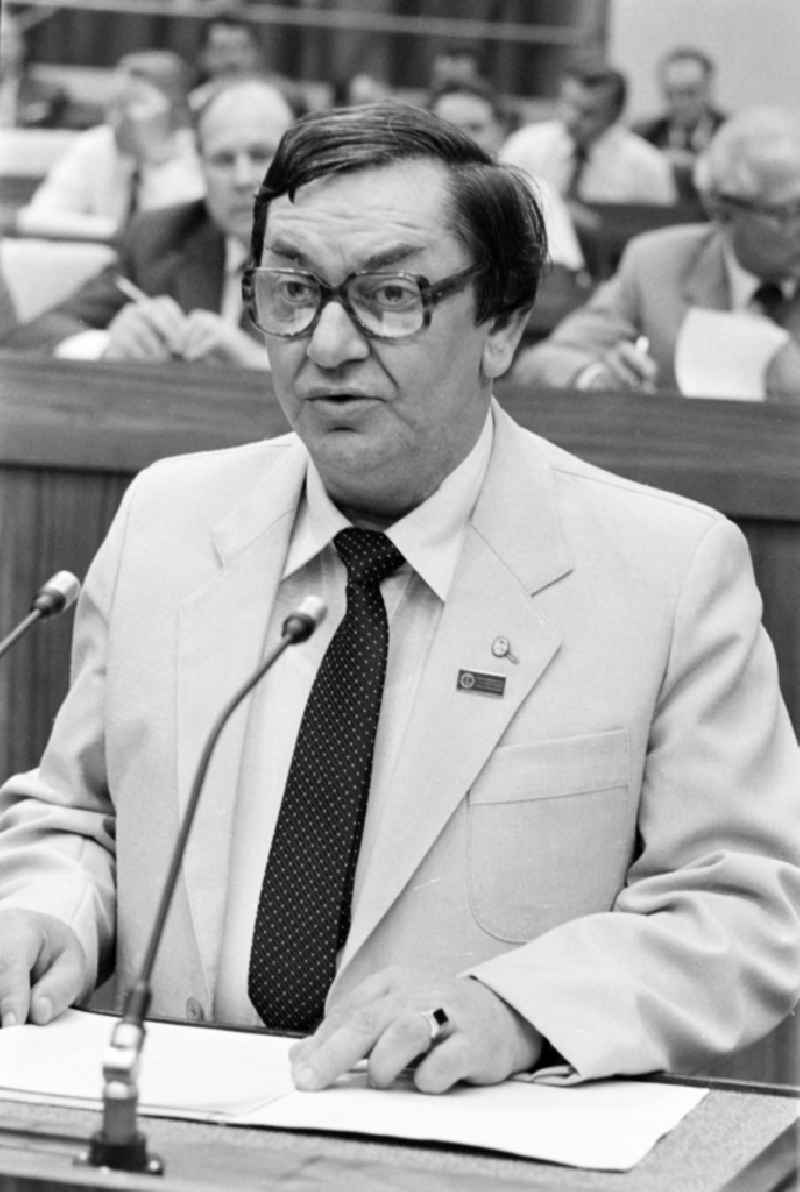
{"points": [[303, 914]]}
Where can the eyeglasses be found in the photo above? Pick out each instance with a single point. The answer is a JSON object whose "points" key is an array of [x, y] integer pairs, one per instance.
{"points": [[288, 303], [780, 216]]}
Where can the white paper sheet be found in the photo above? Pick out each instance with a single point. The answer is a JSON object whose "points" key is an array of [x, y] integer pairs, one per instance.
{"points": [[724, 353], [243, 1078]]}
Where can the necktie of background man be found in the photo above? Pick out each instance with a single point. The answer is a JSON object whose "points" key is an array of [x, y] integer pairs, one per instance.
{"points": [[303, 914], [769, 297], [580, 158]]}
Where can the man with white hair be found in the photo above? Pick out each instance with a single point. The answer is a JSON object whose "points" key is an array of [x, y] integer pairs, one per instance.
{"points": [[747, 259], [174, 291]]}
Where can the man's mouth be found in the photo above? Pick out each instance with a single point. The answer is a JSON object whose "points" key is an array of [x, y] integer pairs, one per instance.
{"points": [[340, 396]]}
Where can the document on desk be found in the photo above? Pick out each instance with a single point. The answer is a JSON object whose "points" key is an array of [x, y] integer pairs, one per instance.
{"points": [[242, 1078], [725, 353]]}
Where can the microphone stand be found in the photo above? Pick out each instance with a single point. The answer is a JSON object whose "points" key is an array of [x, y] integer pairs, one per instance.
{"points": [[118, 1144]]}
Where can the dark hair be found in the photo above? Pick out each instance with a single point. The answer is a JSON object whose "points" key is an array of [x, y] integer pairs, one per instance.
{"points": [[597, 75], [231, 17], [477, 87], [678, 53], [494, 210]]}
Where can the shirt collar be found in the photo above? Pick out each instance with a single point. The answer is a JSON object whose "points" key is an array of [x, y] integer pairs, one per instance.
{"points": [[235, 256], [429, 537], [744, 284]]}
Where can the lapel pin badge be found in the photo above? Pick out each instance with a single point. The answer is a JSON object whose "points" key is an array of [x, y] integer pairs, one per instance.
{"points": [[501, 648], [480, 682]]}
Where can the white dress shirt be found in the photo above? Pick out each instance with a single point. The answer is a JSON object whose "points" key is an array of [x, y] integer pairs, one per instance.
{"points": [[621, 167], [430, 538]]}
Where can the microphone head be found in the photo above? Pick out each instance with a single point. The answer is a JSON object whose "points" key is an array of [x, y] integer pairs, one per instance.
{"points": [[309, 614], [60, 591]]}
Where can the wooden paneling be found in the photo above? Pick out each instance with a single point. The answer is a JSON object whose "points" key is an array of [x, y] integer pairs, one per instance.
{"points": [[72, 435]]}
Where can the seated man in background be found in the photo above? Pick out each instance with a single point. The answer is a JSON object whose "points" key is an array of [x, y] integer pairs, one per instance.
{"points": [[746, 260], [229, 47], [175, 290], [474, 106], [25, 100], [686, 77], [143, 156], [586, 153], [531, 780]]}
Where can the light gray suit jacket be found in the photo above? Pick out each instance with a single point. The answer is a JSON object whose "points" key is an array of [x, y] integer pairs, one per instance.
{"points": [[612, 845]]}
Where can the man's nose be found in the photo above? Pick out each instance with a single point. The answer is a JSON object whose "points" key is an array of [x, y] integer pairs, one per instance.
{"points": [[336, 339], [246, 171]]}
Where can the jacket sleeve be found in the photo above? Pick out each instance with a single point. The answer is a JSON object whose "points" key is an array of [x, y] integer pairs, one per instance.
{"points": [[701, 952], [613, 313], [93, 304], [57, 823]]}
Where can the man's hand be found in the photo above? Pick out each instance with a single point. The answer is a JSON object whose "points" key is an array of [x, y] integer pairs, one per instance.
{"points": [[382, 1021], [627, 365], [153, 329], [209, 337], [42, 967], [782, 378]]}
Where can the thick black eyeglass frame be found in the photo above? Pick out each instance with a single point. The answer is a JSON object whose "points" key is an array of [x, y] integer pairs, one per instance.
{"points": [[784, 213], [431, 293]]}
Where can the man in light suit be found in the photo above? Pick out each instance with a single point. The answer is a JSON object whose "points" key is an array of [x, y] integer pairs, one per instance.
{"points": [[184, 259], [746, 260], [580, 851]]}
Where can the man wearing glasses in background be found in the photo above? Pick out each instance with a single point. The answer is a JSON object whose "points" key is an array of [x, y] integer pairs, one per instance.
{"points": [[746, 260], [527, 800]]}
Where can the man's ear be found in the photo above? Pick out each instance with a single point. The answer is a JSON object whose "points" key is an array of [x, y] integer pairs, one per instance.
{"points": [[501, 343]]}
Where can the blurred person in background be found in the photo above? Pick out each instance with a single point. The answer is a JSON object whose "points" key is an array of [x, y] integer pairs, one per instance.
{"points": [[473, 106], [746, 260], [355, 90], [25, 100], [586, 153], [690, 119], [142, 156], [456, 61], [186, 260], [229, 46]]}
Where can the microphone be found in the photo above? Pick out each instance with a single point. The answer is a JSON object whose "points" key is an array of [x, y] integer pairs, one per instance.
{"points": [[54, 597], [118, 1144]]}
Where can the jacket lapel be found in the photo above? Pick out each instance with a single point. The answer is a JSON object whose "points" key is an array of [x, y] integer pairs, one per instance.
{"points": [[221, 638], [200, 274], [706, 281], [513, 549]]}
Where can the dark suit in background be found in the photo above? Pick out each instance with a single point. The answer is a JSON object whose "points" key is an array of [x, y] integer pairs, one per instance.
{"points": [[176, 250]]}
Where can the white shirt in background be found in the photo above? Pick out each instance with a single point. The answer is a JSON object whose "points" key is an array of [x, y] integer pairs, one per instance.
{"points": [[88, 190], [621, 167]]}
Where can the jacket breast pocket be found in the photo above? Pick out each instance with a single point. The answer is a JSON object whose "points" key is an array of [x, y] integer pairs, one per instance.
{"points": [[551, 832]]}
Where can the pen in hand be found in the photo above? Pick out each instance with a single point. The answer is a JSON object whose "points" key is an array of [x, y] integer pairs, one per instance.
{"points": [[125, 286], [135, 294]]}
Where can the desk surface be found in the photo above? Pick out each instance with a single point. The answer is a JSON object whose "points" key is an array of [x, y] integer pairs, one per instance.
{"points": [[727, 1135], [741, 457]]}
